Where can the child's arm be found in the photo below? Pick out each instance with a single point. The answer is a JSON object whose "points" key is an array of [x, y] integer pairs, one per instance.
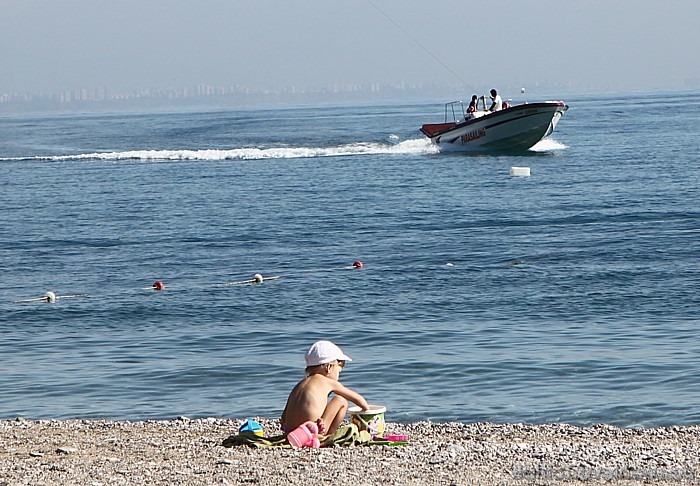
{"points": [[353, 396]]}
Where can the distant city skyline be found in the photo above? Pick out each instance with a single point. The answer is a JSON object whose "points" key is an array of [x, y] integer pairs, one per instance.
{"points": [[174, 95], [106, 98], [110, 98], [53, 46], [203, 89]]}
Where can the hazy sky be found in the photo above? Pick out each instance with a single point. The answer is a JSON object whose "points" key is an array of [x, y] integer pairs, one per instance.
{"points": [[631, 44]]}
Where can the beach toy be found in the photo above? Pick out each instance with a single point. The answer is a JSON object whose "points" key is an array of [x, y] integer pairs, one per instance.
{"points": [[306, 435], [371, 420], [390, 440], [251, 427], [396, 438]]}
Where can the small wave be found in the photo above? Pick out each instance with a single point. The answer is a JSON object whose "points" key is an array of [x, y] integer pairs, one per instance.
{"points": [[408, 147]]}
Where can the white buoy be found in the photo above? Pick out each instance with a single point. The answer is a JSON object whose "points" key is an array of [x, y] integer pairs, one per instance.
{"points": [[522, 90], [520, 172], [50, 297], [257, 278]]}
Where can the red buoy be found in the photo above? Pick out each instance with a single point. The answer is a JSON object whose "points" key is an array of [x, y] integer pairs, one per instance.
{"points": [[358, 264], [158, 285]]}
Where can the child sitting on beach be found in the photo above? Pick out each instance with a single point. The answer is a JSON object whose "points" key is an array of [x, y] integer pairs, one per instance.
{"points": [[308, 401]]}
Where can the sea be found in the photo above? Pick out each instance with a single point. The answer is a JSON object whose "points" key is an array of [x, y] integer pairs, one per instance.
{"points": [[569, 296]]}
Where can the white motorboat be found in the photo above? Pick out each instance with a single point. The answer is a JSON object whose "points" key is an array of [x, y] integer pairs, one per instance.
{"points": [[514, 128]]}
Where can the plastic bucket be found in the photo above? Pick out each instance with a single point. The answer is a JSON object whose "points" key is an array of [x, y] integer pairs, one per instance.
{"points": [[371, 420]]}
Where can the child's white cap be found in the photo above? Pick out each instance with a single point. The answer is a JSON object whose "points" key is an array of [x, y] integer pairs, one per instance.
{"points": [[322, 352]]}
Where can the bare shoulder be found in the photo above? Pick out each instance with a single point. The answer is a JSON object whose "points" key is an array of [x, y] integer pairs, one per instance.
{"points": [[319, 381], [312, 382]]}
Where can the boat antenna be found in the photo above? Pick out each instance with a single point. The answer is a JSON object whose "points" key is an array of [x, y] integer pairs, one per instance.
{"points": [[430, 53]]}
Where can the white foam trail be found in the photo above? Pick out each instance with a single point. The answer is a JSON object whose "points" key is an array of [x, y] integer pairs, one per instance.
{"points": [[407, 147], [547, 145]]}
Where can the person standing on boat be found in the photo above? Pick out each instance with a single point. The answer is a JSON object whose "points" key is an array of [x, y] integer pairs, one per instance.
{"points": [[497, 102]]}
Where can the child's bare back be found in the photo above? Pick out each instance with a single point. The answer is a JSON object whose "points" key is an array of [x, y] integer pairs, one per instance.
{"points": [[308, 400]]}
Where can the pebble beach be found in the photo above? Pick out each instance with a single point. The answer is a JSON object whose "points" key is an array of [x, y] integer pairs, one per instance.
{"points": [[189, 451]]}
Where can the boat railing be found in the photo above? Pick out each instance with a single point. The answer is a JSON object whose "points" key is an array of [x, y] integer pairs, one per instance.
{"points": [[454, 108], [458, 112]]}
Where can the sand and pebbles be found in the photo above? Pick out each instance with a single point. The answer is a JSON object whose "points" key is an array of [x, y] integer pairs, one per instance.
{"points": [[185, 451]]}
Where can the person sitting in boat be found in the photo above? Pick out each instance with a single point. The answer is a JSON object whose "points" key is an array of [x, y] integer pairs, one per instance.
{"points": [[496, 101], [472, 105]]}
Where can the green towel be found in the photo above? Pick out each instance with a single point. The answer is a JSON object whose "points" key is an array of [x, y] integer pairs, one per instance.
{"points": [[252, 440], [345, 436]]}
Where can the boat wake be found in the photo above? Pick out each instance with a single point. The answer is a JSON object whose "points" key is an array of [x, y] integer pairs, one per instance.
{"points": [[548, 145], [407, 147]]}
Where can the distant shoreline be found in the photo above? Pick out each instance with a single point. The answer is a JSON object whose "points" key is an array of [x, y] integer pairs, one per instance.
{"points": [[51, 104], [185, 451]]}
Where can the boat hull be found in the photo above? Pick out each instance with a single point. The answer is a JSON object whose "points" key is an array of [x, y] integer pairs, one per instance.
{"points": [[517, 128]]}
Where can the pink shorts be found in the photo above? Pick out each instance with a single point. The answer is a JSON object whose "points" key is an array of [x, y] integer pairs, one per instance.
{"points": [[319, 423]]}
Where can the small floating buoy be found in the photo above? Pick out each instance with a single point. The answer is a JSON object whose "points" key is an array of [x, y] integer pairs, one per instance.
{"points": [[358, 264], [158, 285], [522, 90], [49, 297], [520, 172], [257, 278], [449, 264]]}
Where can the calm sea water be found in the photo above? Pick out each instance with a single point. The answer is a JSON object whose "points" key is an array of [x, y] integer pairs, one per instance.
{"points": [[569, 296]]}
